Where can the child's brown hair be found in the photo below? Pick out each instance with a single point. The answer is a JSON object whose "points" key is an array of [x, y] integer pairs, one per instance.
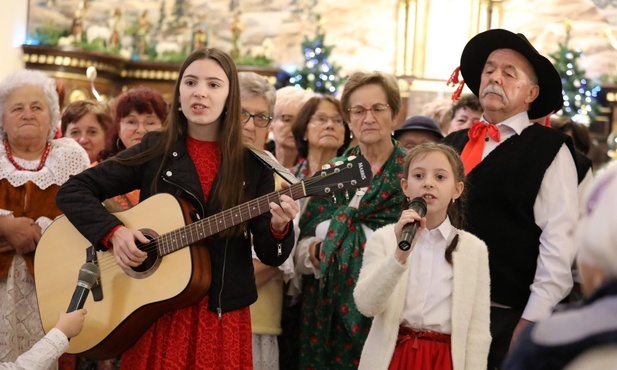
{"points": [[455, 208]]}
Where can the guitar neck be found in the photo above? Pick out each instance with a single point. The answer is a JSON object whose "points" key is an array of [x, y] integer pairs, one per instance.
{"points": [[201, 229]]}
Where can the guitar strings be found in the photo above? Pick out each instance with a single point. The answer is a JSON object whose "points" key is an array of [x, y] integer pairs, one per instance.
{"points": [[108, 260]]}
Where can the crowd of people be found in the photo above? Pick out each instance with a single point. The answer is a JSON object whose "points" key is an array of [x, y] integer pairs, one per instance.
{"points": [[472, 278]]}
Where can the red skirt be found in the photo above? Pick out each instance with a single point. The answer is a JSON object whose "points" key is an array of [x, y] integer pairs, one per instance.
{"points": [[426, 350], [194, 338]]}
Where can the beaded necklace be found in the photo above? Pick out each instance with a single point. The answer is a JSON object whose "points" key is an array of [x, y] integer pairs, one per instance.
{"points": [[9, 155]]}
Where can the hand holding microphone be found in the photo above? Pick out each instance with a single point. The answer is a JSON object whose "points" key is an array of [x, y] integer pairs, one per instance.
{"points": [[88, 275], [417, 204]]}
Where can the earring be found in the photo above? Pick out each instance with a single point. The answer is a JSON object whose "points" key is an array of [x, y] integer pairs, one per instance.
{"points": [[453, 201], [179, 109]]}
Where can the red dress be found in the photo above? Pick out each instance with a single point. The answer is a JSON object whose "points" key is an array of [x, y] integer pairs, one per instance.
{"points": [[195, 337]]}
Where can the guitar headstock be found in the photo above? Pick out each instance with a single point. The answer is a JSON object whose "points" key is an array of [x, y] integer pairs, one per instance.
{"points": [[353, 173]]}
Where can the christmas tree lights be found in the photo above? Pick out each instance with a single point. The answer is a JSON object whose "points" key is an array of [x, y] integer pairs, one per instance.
{"points": [[579, 94], [317, 74]]}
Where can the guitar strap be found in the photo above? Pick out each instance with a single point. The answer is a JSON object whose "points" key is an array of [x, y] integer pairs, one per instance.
{"points": [[271, 163]]}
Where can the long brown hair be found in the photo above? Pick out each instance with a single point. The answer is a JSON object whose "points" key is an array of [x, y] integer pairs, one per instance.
{"points": [[455, 209], [230, 191]]}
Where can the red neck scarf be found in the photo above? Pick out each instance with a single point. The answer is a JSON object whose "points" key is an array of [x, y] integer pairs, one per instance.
{"points": [[478, 134]]}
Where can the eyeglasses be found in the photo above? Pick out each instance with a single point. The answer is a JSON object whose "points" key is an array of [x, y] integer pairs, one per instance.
{"points": [[322, 119], [359, 112], [133, 124], [259, 120]]}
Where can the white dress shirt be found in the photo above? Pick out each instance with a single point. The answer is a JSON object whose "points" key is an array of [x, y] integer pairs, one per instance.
{"points": [[428, 305], [556, 213]]}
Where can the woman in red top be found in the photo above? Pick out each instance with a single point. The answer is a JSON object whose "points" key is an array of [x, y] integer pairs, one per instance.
{"points": [[199, 156]]}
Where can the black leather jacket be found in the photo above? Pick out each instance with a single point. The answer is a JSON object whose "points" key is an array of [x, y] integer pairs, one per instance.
{"points": [[233, 281]]}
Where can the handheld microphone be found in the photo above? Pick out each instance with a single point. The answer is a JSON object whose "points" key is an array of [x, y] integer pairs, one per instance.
{"points": [[88, 275], [418, 204]]}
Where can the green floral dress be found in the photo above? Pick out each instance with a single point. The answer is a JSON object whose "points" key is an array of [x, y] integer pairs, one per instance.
{"points": [[332, 330]]}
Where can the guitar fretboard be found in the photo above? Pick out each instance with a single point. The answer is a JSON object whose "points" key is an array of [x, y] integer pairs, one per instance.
{"points": [[201, 229]]}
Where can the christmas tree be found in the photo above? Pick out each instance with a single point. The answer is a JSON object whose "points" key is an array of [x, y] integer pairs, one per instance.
{"points": [[317, 74], [579, 94]]}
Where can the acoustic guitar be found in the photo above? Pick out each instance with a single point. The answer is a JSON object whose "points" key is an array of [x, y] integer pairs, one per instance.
{"points": [[124, 303]]}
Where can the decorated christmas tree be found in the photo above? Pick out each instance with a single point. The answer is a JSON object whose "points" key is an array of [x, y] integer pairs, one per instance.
{"points": [[579, 93], [317, 74]]}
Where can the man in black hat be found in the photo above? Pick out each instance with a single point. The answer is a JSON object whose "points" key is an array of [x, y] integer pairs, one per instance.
{"points": [[523, 194], [417, 130]]}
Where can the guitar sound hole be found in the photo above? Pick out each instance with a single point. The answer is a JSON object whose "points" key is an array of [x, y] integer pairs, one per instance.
{"points": [[151, 249]]}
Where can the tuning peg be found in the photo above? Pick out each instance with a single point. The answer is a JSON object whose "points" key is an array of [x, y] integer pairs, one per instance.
{"points": [[326, 166], [346, 195], [339, 163], [351, 157], [333, 198]]}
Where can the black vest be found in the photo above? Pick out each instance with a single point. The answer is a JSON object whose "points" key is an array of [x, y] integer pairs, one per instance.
{"points": [[501, 193], [583, 165]]}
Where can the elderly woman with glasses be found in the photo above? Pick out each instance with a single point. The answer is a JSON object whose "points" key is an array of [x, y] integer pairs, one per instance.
{"points": [[257, 98], [32, 167], [321, 133], [333, 331], [136, 112]]}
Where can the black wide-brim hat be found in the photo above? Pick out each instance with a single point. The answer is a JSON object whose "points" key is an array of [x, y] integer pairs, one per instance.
{"points": [[478, 49]]}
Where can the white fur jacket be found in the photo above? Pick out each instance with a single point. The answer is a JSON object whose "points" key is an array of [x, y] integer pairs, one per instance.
{"points": [[382, 287]]}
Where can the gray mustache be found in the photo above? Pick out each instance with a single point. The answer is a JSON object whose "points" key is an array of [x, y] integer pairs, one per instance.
{"points": [[495, 89]]}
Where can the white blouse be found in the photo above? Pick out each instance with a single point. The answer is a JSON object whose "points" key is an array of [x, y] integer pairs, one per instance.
{"points": [[428, 305], [66, 158]]}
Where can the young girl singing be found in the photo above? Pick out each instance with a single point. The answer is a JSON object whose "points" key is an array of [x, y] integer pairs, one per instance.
{"points": [[430, 303]]}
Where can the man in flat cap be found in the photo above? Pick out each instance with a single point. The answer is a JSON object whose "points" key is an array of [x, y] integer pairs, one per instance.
{"points": [[417, 130], [522, 181]]}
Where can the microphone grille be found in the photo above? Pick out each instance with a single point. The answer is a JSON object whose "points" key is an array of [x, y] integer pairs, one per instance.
{"points": [[89, 273], [418, 204]]}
